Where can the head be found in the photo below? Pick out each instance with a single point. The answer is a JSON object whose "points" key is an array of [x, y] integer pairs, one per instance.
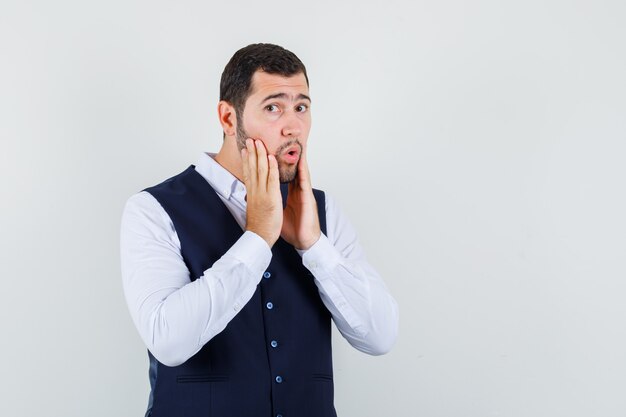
{"points": [[264, 94]]}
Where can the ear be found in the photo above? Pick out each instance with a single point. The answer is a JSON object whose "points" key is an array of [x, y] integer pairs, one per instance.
{"points": [[227, 117]]}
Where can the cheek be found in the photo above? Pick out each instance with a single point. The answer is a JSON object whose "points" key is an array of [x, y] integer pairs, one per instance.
{"points": [[270, 145], [304, 138], [306, 129], [257, 130]]}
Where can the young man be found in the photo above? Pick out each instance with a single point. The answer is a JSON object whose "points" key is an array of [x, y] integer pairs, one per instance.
{"points": [[234, 268]]}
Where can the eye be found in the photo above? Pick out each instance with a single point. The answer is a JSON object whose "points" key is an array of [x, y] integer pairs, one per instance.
{"points": [[271, 107], [301, 108]]}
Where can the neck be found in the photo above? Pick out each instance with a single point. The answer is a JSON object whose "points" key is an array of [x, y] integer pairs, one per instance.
{"points": [[230, 158]]}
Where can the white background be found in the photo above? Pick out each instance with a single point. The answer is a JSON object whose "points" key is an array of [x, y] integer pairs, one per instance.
{"points": [[477, 146]]}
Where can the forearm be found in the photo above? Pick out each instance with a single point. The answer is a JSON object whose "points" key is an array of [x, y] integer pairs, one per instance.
{"points": [[363, 309], [176, 317]]}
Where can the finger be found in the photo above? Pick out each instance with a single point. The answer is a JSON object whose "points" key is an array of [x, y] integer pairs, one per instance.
{"points": [[304, 175], [246, 169], [272, 177], [252, 168], [261, 163]]}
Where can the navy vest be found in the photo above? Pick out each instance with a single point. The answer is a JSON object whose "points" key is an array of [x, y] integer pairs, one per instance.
{"points": [[274, 358]]}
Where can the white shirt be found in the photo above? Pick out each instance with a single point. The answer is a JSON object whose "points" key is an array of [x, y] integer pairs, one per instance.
{"points": [[176, 317]]}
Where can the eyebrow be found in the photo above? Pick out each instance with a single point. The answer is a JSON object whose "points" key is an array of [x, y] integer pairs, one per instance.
{"points": [[284, 96]]}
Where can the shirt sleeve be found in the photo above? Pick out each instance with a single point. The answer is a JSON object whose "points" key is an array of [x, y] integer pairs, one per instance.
{"points": [[362, 308], [174, 316]]}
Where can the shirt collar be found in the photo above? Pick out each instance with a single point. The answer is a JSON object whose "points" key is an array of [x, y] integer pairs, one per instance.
{"points": [[222, 181]]}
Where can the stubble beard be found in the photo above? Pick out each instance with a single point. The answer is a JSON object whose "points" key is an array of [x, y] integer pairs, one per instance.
{"points": [[286, 172]]}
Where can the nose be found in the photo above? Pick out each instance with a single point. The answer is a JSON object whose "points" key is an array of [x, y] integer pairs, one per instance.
{"points": [[292, 126]]}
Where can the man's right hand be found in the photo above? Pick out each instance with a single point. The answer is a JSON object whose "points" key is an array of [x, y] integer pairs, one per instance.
{"points": [[264, 215]]}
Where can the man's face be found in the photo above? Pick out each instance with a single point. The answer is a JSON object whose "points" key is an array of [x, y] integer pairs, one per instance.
{"points": [[277, 113]]}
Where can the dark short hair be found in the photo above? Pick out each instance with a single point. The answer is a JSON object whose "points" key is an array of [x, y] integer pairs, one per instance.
{"points": [[236, 79]]}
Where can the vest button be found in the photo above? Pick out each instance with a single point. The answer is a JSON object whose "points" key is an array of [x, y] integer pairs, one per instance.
{"points": [[269, 305], [279, 415], [279, 379], [267, 274], [274, 343]]}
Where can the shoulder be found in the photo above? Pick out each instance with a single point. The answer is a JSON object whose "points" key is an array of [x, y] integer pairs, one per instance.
{"points": [[145, 223], [175, 184], [143, 207]]}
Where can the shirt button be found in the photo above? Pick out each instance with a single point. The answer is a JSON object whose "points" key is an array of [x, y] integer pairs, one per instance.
{"points": [[269, 305], [279, 379], [267, 274], [274, 343], [313, 265]]}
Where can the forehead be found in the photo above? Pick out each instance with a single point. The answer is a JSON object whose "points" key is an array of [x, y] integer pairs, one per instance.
{"points": [[264, 84]]}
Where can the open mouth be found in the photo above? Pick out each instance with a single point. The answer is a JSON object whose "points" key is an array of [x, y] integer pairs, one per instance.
{"points": [[292, 154]]}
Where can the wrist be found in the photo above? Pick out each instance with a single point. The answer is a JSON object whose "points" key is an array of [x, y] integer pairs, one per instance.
{"points": [[309, 243], [270, 240]]}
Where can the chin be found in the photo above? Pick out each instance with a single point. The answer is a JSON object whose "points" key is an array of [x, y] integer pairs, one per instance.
{"points": [[286, 175]]}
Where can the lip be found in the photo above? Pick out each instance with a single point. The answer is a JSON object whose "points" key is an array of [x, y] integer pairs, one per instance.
{"points": [[291, 155]]}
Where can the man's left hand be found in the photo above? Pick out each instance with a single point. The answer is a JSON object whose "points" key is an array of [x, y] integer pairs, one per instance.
{"points": [[301, 225]]}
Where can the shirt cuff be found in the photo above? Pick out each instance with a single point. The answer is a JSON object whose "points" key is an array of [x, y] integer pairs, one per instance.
{"points": [[253, 251], [321, 257]]}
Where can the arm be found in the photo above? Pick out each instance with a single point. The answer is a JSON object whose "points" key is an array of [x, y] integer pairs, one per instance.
{"points": [[176, 317], [358, 299], [362, 308]]}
